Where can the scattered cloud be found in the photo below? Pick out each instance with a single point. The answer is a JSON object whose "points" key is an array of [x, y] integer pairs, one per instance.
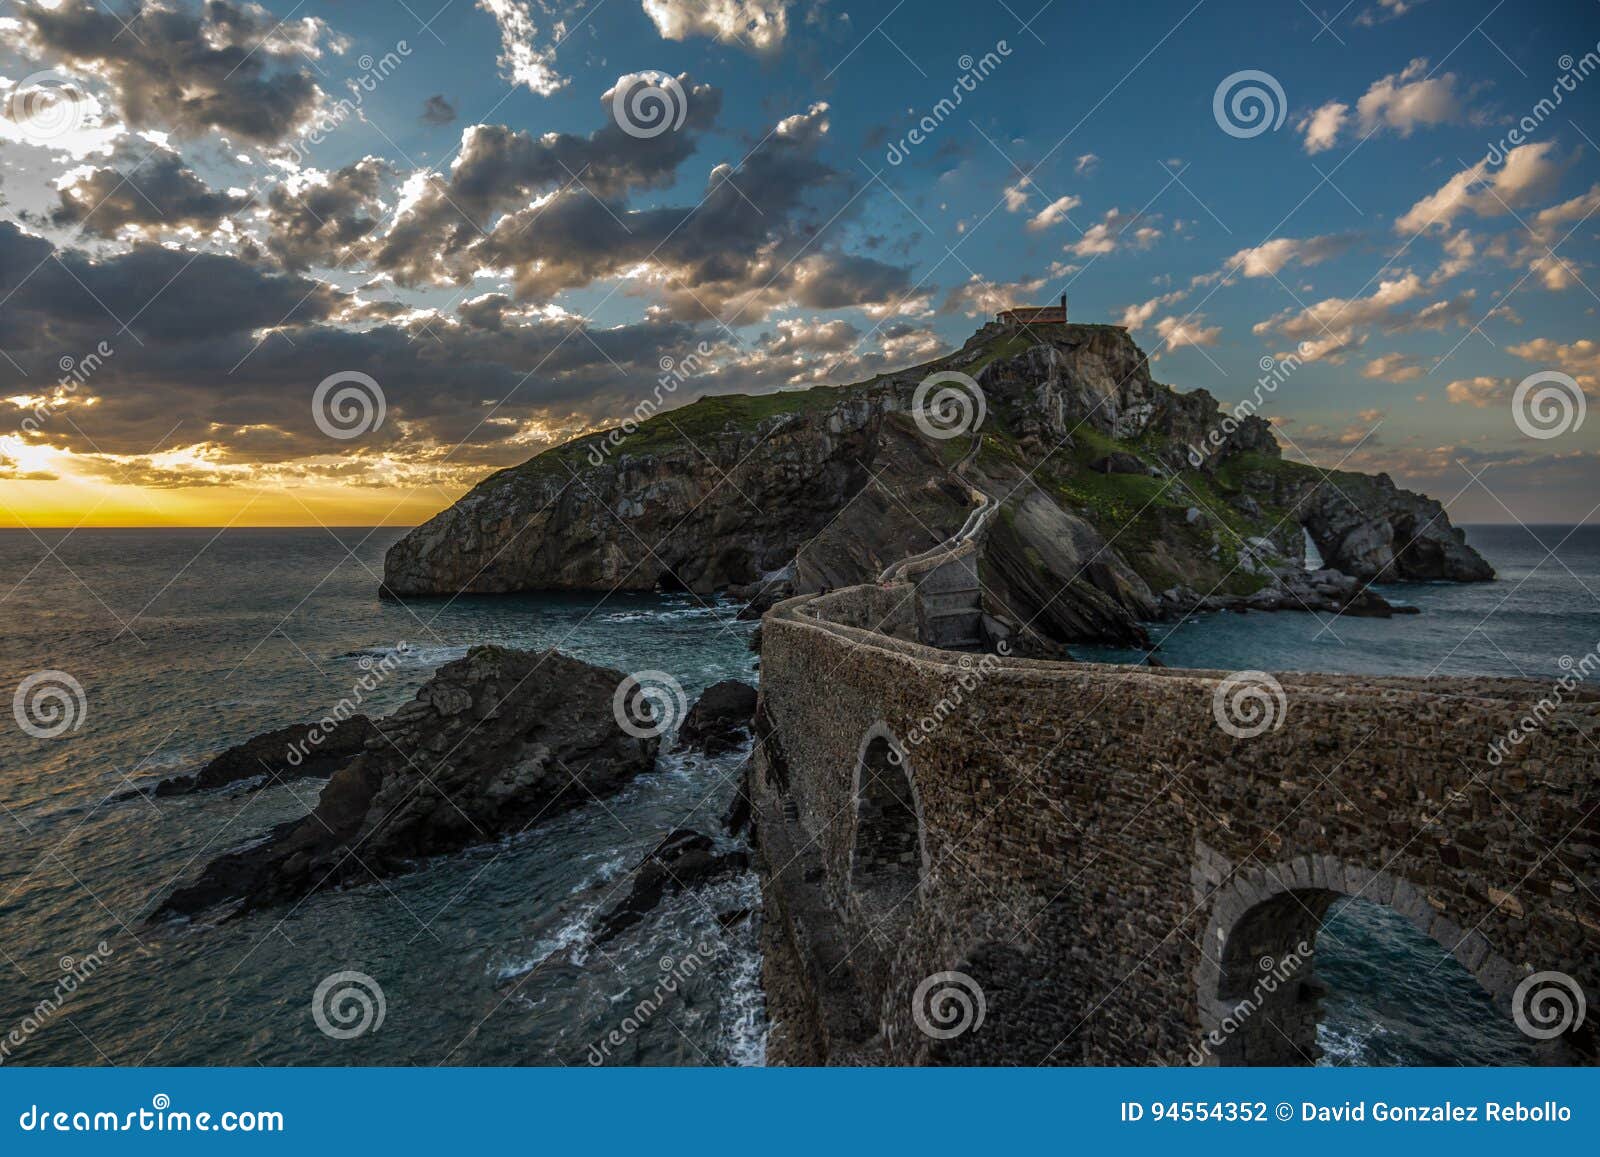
{"points": [[524, 55], [760, 25], [1484, 191], [436, 110]]}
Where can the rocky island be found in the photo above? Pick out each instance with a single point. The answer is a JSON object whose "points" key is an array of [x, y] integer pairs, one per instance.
{"points": [[1108, 513]]}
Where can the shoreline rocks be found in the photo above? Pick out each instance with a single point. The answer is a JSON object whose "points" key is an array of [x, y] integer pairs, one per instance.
{"points": [[299, 751], [721, 719], [491, 744]]}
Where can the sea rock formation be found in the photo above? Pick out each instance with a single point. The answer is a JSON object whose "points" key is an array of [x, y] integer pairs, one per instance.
{"points": [[492, 743], [299, 751], [684, 859], [1120, 499], [720, 719]]}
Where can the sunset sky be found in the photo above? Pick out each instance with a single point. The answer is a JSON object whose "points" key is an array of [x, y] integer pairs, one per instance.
{"points": [[464, 213]]}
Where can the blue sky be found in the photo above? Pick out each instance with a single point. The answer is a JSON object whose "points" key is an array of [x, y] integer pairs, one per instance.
{"points": [[1380, 226]]}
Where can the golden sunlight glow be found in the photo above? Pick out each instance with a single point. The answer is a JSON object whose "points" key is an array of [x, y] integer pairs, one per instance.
{"points": [[43, 487]]}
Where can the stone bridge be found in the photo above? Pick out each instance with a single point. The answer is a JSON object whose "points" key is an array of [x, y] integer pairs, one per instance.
{"points": [[1124, 880]]}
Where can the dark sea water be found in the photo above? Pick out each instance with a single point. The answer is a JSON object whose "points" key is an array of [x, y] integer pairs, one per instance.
{"points": [[185, 645], [187, 641]]}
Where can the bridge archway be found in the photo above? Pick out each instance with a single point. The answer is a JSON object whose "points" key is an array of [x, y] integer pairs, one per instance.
{"points": [[888, 851], [1259, 996]]}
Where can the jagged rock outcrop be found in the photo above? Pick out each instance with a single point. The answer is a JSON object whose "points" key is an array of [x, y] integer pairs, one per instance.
{"points": [[1111, 487], [684, 859], [721, 719], [493, 742], [299, 751]]}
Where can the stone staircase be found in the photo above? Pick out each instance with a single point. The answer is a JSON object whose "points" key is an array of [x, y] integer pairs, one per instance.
{"points": [[949, 595]]}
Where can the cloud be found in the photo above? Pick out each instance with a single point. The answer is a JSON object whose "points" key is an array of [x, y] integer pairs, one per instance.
{"points": [[1053, 213], [1135, 316], [1269, 258], [1527, 173], [1107, 234], [497, 169], [760, 25], [1016, 196], [1411, 99], [436, 110], [1392, 368], [1178, 332], [148, 194], [1479, 392], [317, 218], [523, 58], [1401, 102], [1581, 358], [1335, 326], [1385, 11], [228, 66], [1321, 127], [979, 296], [1086, 164]]}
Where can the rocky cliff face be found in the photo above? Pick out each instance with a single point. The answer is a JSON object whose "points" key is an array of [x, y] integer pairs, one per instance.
{"points": [[491, 743], [1108, 514]]}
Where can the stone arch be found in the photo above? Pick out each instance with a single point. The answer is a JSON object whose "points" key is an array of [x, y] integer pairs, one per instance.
{"points": [[888, 847], [1259, 996]]}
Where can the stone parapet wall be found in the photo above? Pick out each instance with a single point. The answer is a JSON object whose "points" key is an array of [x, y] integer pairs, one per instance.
{"points": [[1099, 850]]}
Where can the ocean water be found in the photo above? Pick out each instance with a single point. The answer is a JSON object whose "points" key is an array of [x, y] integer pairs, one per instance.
{"points": [[187, 641]]}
